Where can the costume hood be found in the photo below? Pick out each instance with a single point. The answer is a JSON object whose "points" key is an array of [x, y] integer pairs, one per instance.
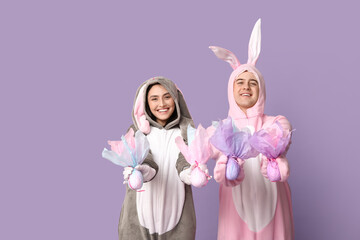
{"points": [[141, 114], [254, 50]]}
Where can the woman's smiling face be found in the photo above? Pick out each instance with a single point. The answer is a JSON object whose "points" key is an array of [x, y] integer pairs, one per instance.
{"points": [[161, 103], [246, 90]]}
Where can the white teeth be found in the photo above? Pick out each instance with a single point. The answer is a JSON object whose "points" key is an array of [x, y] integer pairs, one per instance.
{"points": [[245, 94], [162, 110]]}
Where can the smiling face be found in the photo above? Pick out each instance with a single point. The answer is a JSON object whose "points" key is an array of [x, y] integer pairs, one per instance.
{"points": [[161, 104], [246, 90]]}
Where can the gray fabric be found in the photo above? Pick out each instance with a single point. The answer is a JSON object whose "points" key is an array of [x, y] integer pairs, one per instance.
{"points": [[130, 229], [183, 114], [151, 163], [181, 163], [129, 225]]}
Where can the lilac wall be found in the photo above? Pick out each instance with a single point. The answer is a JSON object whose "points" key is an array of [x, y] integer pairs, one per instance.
{"points": [[69, 71]]}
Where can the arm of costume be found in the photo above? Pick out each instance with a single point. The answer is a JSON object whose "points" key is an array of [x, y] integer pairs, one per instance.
{"points": [[282, 161], [151, 173], [220, 166], [283, 165], [184, 169], [219, 172], [148, 174], [181, 163]]}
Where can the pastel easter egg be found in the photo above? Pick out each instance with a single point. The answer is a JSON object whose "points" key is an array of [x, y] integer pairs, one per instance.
{"points": [[232, 169], [198, 178], [136, 180], [273, 171]]}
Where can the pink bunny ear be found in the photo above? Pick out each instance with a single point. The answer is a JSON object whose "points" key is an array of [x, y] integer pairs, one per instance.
{"points": [[139, 112], [226, 55], [255, 43]]}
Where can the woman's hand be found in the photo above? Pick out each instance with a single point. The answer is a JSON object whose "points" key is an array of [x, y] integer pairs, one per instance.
{"points": [[127, 172], [147, 171], [185, 175]]}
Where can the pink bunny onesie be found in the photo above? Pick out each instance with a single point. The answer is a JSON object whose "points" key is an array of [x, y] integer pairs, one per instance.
{"points": [[252, 207]]}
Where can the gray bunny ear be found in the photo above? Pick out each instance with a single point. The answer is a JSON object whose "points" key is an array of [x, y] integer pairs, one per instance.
{"points": [[186, 118], [226, 55], [255, 43]]}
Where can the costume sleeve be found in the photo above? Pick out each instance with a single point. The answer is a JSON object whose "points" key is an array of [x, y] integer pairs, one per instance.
{"points": [[150, 161], [283, 167], [181, 163], [219, 173], [149, 158], [282, 160], [220, 166]]}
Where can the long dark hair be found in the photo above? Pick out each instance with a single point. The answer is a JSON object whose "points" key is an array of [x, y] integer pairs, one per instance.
{"points": [[148, 111]]}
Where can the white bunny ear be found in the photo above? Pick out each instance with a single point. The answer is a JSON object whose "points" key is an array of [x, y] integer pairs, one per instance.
{"points": [[226, 55], [255, 43]]}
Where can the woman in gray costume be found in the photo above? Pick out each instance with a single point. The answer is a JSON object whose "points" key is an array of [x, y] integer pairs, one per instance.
{"points": [[165, 209]]}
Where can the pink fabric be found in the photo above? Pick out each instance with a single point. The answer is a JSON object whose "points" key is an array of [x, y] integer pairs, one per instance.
{"points": [[139, 113], [197, 152], [255, 44], [226, 55], [118, 146], [219, 173], [231, 226], [280, 228], [283, 167]]}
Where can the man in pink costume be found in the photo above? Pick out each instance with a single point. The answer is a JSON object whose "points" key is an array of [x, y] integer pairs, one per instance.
{"points": [[251, 206]]}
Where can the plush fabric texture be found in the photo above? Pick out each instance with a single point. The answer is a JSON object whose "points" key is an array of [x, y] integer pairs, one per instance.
{"points": [[197, 153], [139, 111], [165, 210], [252, 207]]}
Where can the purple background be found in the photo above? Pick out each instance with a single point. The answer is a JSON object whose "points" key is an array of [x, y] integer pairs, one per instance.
{"points": [[69, 72]]}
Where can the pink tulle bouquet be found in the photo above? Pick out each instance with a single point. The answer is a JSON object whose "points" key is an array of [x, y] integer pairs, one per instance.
{"points": [[271, 142], [198, 151], [234, 144], [129, 152]]}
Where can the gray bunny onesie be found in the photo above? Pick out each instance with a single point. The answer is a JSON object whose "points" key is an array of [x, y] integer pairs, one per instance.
{"points": [[165, 210]]}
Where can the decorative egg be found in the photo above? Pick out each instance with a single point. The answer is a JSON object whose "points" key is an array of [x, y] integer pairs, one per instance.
{"points": [[232, 169], [136, 180], [273, 171], [198, 178]]}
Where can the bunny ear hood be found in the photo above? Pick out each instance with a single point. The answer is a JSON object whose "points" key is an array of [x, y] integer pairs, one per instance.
{"points": [[253, 55], [226, 55], [255, 43], [258, 109], [141, 115]]}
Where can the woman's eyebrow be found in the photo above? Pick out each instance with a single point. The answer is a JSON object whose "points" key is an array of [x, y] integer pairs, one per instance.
{"points": [[253, 80], [167, 93]]}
